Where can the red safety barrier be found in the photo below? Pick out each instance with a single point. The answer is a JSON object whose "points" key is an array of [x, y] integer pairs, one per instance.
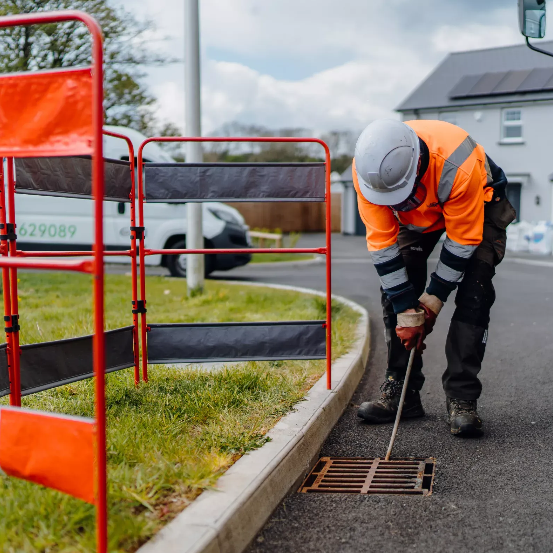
{"points": [[13, 323], [85, 266], [80, 266], [62, 115], [6, 286], [67, 253], [133, 254], [325, 251], [57, 113]]}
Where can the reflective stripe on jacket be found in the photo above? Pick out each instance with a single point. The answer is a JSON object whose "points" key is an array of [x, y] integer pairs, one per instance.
{"points": [[457, 184]]}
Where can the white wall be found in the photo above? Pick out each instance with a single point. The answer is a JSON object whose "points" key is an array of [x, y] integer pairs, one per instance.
{"points": [[534, 156]]}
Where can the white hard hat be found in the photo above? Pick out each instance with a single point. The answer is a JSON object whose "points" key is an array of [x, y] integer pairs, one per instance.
{"points": [[386, 159]]}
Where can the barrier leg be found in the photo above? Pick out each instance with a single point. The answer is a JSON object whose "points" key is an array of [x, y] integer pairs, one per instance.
{"points": [[143, 322], [135, 338], [135, 235], [6, 288], [7, 317], [14, 322], [328, 275], [134, 284], [98, 290], [142, 269]]}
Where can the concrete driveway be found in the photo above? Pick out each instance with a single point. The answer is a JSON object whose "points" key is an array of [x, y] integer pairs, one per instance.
{"points": [[492, 494]]}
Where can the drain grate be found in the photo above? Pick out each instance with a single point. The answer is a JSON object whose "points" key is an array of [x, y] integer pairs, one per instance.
{"points": [[405, 476]]}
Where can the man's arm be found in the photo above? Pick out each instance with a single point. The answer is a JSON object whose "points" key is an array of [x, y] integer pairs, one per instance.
{"points": [[382, 232], [391, 269], [464, 222]]}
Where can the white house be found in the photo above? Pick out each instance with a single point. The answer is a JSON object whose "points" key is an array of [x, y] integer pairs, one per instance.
{"points": [[504, 98]]}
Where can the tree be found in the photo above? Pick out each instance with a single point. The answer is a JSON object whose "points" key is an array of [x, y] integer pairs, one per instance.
{"points": [[174, 149], [341, 145], [127, 101], [260, 151]]}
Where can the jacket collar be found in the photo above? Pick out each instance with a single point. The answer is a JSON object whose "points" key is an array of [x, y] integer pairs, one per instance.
{"points": [[425, 158]]}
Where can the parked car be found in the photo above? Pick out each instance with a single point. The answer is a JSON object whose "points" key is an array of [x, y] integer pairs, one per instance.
{"points": [[51, 223]]}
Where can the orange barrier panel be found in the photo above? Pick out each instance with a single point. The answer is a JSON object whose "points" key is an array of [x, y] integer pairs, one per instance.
{"points": [[46, 113], [52, 450]]}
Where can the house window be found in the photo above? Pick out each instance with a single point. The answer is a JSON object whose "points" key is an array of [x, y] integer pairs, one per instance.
{"points": [[448, 117], [511, 125]]}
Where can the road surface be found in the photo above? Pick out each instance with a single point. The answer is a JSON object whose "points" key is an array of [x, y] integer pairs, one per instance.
{"points": [[490, 495]]}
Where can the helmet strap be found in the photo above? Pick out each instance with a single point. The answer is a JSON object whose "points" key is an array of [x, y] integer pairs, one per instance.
{"points": [[415, 199]]}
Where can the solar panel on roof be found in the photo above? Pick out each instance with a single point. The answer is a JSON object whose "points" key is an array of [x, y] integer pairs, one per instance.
{"points": [[536, 80], [487, 83], [464, 86], [548, 84], [440, 88], [511, 81], [504, 82]]}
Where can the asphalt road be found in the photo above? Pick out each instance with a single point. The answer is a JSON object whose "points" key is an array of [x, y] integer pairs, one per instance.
{"points": [[492, 494]]}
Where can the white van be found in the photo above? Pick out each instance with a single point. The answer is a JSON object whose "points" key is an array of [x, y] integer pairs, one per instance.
{"points": [[47, 223]]}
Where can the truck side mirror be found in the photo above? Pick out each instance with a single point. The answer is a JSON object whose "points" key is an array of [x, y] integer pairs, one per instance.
{"points": [[531, 18]]}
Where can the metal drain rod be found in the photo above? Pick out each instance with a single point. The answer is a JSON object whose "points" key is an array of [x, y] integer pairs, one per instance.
{"points": [[401, 401]]}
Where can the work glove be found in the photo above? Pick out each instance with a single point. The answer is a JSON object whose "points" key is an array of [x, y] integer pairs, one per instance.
{"points": [[432, 305], [410, 329]]}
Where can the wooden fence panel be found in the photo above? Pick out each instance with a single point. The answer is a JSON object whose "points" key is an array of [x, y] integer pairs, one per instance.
{"points": [[290, 216]]}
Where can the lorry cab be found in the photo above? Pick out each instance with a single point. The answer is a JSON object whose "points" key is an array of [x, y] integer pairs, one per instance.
{"points": [[51, 223]]}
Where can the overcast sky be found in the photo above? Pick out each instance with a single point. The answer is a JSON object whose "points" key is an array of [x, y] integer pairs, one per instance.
{"points": [[318, 64]]}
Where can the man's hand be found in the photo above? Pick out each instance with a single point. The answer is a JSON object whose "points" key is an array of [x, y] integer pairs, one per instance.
{"points": [[432, 306], [410, 329]]}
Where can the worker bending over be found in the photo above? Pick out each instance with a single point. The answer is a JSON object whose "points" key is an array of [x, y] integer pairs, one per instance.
{"points": [[414, 180]]}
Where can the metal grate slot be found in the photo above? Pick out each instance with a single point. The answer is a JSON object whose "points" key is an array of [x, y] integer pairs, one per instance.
{"points": [[371, 476]]}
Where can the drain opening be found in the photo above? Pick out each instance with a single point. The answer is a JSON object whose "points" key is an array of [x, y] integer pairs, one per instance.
{"points": [[406, 476]]}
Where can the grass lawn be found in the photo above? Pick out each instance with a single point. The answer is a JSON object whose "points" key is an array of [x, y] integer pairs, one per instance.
{"points": [[279, 257], [171, 438]]}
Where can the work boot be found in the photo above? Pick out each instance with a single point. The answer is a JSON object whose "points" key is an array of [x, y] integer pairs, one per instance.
{"points": [[463, 418], [385, 409]]}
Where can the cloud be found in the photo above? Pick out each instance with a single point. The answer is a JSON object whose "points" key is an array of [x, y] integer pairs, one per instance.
{"points": [[474, 36], [318, 64], [347, 96]]}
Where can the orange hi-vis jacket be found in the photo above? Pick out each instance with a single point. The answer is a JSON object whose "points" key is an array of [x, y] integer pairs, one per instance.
{"points": [[456, 182]]}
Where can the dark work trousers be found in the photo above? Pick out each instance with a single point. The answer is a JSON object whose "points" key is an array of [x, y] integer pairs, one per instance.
{"points": [[468, 331]]}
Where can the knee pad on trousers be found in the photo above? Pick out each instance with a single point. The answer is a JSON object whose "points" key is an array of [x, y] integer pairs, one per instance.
{"points": [[475, 295]]}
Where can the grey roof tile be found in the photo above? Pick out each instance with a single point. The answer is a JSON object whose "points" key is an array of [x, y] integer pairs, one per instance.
{"points": [[447, 78]]}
